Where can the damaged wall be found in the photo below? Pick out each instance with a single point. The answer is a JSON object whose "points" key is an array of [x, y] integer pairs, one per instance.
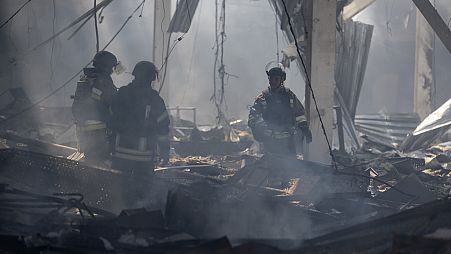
{"points": [[391, 62]]}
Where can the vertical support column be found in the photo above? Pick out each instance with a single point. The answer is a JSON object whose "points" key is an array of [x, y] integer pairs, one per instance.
{"points": [[424, 75], [162, 18], [322, 75]]}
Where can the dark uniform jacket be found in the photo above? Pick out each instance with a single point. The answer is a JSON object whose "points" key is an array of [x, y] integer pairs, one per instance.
{"points": [[90, 109], [92, 98], [141, 122], [274, 118]]}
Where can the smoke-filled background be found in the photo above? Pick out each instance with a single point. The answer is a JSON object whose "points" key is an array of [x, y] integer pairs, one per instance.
{"points": [[250, 44], [389, 79]]}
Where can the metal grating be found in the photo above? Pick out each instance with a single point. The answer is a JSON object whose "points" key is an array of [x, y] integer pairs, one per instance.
{"points": [[48, 174]]}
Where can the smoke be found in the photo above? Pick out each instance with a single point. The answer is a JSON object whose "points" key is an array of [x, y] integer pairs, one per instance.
{"points": [[389, 78], [250, 44]]}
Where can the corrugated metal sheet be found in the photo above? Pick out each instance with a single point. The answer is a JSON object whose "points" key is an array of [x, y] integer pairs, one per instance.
{"points": [[432, 127], [386, 129], [183, 16], [348, 122], [353, 46]]}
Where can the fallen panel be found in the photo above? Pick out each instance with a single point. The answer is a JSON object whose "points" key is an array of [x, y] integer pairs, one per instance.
{"points": [[386, 129], [433, 126]]}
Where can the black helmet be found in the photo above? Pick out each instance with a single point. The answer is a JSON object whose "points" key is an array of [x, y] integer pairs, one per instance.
{"points": [[277, 71], [145, 70], [104, 60]]}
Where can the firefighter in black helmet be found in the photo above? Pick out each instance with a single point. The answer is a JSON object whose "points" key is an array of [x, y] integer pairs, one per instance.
{"points": [[276, 116], [90, 108], [141, 124]]}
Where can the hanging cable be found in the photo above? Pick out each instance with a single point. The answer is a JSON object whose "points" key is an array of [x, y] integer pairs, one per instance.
{"points": [[277, 36], [169, 48], [161, 27], [164, 64], [434, 69], [193, 51], [165, 60], [100, 19], [216, 46], [15, 13], [141, 13], [95, 26], [168, 51], [310, 86], [219, 59], [222, 67], [53, 46], [74, 76], [85, 16], [321, 120]]}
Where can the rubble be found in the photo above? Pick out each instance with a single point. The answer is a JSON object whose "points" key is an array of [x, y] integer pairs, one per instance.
{"points": [[243, 196], [144, 230], [220, 195], [188, 138], [385, 191], [246, 196]]}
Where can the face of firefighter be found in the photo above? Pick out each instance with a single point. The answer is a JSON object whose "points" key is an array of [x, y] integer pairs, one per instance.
{"points": [[275, 81]]}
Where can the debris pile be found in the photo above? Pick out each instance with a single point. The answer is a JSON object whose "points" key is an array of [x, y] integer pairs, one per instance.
{"points": [[219, 185]]}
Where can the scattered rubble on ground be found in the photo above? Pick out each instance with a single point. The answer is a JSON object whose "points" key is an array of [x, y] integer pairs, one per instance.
{"points": [[377, 199]]}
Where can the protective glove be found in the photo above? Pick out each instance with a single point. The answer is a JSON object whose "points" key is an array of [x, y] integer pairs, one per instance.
{"points": [[307, 134]]}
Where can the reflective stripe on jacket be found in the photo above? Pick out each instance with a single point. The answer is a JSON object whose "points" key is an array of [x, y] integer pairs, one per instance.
{"points": [[91, 125], [135, 149]]}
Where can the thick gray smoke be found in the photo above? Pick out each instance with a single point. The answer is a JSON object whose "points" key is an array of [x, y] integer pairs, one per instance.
{"points": [[250, 44]]}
